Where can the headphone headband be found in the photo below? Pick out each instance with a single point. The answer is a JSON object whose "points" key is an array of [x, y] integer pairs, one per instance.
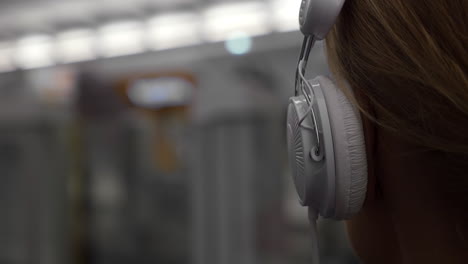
{"points": [[317, 17]]}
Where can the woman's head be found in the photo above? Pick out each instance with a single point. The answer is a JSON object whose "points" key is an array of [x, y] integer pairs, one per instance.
{"points": [[407, 63]]}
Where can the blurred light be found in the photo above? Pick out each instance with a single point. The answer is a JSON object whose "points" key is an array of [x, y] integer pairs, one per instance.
{"points": [[34, 52], [6, 59], [122, 38], [174, 30], [239, 43], [222, 20], [76, 45], [286, 15], [160, 92], [216, 23]]}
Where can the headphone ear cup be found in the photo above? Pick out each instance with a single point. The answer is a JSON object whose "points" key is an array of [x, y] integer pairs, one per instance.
{"points": [[313, 175], [349, 150]]}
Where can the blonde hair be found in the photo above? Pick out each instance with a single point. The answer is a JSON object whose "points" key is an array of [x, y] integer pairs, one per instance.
{"points": [[409, 60]]}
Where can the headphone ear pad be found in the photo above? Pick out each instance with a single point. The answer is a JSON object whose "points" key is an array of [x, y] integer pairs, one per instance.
{"points": [[349, 151]]}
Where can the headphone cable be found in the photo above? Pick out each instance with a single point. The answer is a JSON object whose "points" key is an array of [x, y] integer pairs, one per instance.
{"points": [[313, 216]]}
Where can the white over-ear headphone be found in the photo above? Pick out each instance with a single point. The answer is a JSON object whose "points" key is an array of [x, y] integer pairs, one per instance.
{"points": [[325, 136]]}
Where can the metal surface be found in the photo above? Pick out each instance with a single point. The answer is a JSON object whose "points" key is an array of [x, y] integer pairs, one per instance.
{"points": [[302, 83]]}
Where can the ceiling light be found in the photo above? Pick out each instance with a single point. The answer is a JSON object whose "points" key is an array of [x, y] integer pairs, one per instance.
{"points": [[285, 15], [34, 51], [222, 20], [76, 45], [122, 38], [173, 30]]}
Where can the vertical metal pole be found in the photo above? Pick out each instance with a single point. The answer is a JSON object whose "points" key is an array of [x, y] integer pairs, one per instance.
{"points": [[246, 174], [222, 192], [198, 208]]}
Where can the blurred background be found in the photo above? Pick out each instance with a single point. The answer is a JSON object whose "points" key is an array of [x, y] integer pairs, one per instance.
{"points": [[151, 131]]}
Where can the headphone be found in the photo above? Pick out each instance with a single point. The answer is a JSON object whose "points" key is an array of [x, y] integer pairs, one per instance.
{"points": [[325, 136]]}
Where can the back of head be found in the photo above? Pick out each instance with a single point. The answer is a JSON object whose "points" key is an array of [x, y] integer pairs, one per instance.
{"points": [[408, 61]]}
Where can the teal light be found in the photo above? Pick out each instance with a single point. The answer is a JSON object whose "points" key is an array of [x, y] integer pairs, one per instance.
{"points": [[239, 43]]}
